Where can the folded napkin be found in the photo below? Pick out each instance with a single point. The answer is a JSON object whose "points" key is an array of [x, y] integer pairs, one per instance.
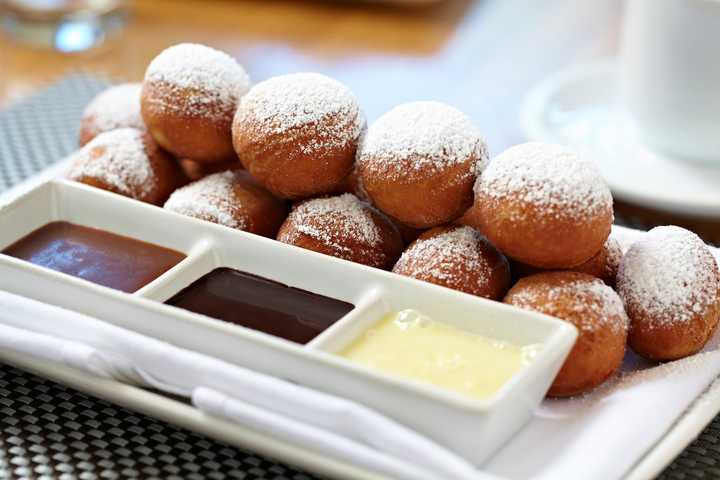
{"points": [[330, 425], [72, 354], [332, 444]]}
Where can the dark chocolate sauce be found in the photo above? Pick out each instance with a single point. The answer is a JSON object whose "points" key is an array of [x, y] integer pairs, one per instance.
{"points": [[261, 304], [100, 257]]}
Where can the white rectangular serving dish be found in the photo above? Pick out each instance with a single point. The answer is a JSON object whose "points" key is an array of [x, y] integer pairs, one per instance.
{"points": [[473, 428]]}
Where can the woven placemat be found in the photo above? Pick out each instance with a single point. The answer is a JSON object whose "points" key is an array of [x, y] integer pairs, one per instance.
{"points": [[48, 431]]}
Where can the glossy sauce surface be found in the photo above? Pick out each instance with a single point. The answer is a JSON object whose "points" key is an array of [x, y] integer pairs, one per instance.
{"points": [[261, 304], [413, 346], [94, 255]]}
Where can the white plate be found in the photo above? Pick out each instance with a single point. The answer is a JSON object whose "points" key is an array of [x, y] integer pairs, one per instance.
{"points": [[580, 107], [686, 429]]}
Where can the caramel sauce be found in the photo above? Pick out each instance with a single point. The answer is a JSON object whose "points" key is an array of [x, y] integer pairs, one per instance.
{"points": [[94, 255]]}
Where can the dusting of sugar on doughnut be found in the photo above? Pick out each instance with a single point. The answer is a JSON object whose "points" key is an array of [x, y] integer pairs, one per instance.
{"points": [[281, 104], [210, 198], [118, 158], [419, 136], [445, 257], [614, 256], [330, 220], [552, 178], [625, 236], [212, 77], [589, 297], [670, 275], [116, 107]]}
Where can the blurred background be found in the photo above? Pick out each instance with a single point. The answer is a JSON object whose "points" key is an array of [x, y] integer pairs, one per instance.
{"points": [[479, 56]]}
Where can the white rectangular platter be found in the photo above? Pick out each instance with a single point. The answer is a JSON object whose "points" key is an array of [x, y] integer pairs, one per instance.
{"points": [[202, 258], [687, 428]]}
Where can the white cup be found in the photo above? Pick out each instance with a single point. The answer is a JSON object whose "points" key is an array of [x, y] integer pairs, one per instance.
{"points": [[670, 75]]}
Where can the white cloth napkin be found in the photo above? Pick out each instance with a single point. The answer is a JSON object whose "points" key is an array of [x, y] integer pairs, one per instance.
{"points": [[72, 354], [334, 426], [597, 436], [335, 444]]}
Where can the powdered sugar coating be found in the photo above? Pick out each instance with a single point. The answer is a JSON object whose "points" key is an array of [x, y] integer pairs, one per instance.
{"points": [[343, 227], [203, 77], [447, 258], [119, 159], [296, 101], [590, 302], [210, 198], [116, 107], [605, 263], [332, 220], [614, 256], [551, 178], [670, 276], [422, 136]]}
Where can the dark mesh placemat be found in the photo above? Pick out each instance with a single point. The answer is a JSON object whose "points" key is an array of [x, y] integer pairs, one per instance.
{"points": [[39, 131], [48, 431]]}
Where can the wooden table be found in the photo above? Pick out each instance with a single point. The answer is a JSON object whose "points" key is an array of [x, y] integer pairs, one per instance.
{"points": [[481, 56]]}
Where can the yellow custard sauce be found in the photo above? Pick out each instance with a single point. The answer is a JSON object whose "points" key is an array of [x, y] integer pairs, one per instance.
{"points": [[414, 346]]}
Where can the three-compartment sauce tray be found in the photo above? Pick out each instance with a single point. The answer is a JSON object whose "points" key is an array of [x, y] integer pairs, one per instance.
{"points": [[472, 427]]}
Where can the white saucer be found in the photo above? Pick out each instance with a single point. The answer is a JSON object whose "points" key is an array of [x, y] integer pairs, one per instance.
{"points": [[580, 107]]}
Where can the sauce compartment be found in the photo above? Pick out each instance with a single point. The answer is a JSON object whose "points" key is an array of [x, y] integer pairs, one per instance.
{"points": [[260, 304], [98, 256], [53, 228], [412, 346], [474, 428]]}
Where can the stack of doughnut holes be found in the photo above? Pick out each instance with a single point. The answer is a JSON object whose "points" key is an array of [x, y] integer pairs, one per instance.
{"points": [[415, 192]]}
